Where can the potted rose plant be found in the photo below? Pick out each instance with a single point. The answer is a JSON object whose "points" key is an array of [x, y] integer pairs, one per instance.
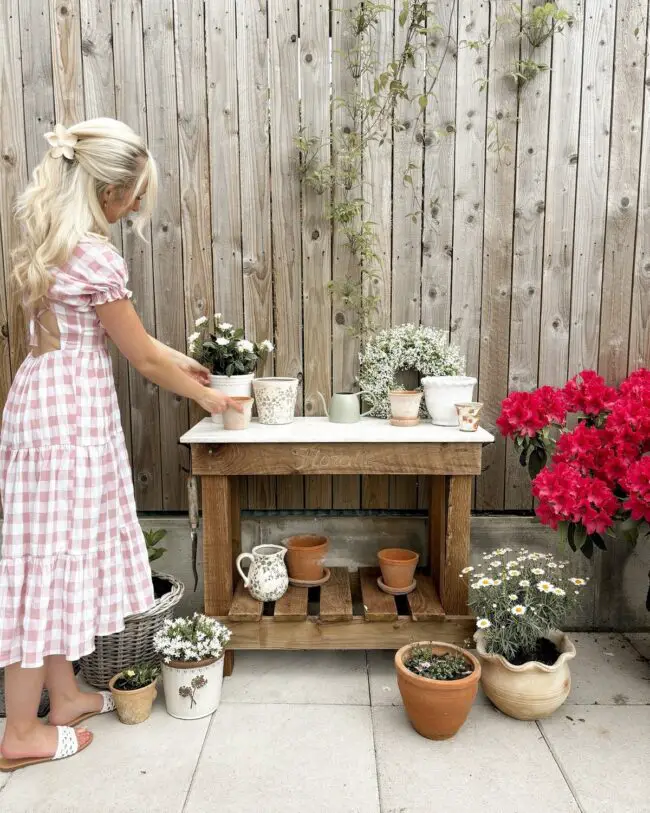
{"points": [[133, 691], [231, 358], [438, 683], [521, 600], [192, 650]]}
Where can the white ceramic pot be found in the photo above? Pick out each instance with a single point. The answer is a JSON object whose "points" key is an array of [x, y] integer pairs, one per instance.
{"points": [[192, 688], [531, 691], [276, 399], [241, 385], [443, 392]]}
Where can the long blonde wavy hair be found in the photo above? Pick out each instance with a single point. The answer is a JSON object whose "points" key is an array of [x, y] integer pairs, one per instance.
{"points": [[62, 201]]}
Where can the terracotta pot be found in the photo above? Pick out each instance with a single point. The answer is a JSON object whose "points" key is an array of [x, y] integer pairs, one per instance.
{"points": [[238, 420], [531, 691], [397, 566], [436, 708], [133, 706], [305, 556], [241, 385], [405, 407]]}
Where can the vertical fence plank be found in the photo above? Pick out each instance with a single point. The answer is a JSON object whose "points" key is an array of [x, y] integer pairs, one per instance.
{"points": [[66, 59], [622, 196], [346, 490], [13, 177], [285, 209], [99, 100], [130, 107], [497, 251], [378, 191], [194, 162], [591, 189], [253, 84], [473, 25], [561, 173], [528, 250], [160, 84], [316, 230]]}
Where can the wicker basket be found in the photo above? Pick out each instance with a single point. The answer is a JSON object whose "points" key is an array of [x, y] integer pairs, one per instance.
{"points": [[135, 643]]}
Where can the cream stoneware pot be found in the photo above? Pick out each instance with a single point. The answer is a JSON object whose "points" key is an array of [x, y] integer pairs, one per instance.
{"points": [[531, 691], [240, 385], [192, 688], [267, 578], [276, 399], [443, 392]]}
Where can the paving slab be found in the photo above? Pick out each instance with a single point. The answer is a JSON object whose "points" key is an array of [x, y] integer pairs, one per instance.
{"points": [[608, 671], [383, 680], [494, 764], [287, 759], [604, 752], [641, 642], [126, 769], [298, 677]]}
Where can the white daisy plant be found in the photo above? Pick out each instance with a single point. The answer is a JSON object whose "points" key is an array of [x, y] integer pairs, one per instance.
{"points": [[223, 349], [515, 608]]}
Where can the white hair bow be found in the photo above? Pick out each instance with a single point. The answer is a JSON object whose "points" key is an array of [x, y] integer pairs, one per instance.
{"points": [[62, 142]]}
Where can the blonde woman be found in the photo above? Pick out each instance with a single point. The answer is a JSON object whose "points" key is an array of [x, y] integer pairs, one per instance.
{"points": [[74, 562]]}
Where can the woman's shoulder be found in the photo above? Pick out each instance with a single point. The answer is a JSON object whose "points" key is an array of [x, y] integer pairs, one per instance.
{"points": [[94, 269], [95, 247]]}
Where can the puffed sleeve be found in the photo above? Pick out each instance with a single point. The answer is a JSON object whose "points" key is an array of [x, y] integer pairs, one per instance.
{"points": [[96, 274]]}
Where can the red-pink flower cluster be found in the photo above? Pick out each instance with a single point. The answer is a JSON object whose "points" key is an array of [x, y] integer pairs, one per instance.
{"points": [[587, 393], [527, 413], [637, 485]]}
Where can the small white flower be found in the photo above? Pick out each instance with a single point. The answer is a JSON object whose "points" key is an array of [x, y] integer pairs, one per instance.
{"points": [[537, 571], [496, 582], [467, 570], [558, 591], [486, 582], [500, 551], [476, 585], [518, 609], [245, 346], [223, 341], [514, 573], [483, 623], [545, 587], [217, 316], [193, 337], [225, 326], [494, 606], [524, 583], [200, 321], [578, 582], [513, 597], [496, 562], [552, 565], [267, 345]]}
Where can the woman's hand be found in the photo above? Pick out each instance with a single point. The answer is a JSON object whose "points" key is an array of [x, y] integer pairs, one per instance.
{"points": [[215, 402], [192, 368]]}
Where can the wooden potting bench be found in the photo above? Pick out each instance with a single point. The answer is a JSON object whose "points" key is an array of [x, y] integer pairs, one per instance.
{"points": [[349, 612]]}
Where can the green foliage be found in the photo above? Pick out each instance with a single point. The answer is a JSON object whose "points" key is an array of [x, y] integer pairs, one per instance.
{"points": [[137, 676], [540, 23], [525, 70], [424, 662], [153, 540]]}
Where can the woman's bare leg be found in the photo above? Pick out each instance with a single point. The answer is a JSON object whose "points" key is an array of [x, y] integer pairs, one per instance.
{"points": [[25, 735], [67, 701]]}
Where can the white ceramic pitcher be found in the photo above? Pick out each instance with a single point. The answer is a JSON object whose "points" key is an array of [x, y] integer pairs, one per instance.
{"points": [[267, 578]]}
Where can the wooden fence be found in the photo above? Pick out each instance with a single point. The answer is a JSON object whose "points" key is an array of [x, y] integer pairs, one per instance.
{"points": [[536, 260]]}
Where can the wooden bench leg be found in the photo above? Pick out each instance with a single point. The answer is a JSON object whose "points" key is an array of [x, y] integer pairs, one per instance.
{"points": [[453, 589], [228, 663]]}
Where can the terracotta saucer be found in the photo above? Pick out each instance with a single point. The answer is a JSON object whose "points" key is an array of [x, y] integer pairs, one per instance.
{"points": [[300, 583], [396, 591], [404, 421]]}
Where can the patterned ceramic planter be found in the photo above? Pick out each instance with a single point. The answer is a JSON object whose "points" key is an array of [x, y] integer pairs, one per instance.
{"points": [[241, 385], [267, 578], [276, 399], [192, 688]]}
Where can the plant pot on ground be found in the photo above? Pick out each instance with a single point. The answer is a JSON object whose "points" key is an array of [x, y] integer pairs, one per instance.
{"points": [[192, 650], [521, 599], [397, 567], [305, 556], [133, 691], [438, 683]]}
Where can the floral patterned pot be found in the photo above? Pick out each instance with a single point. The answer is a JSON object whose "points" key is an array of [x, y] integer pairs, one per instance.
{"points": [[531, 691], [276, 399], [469, 416], [192, 688], [241, 385], [443, 392]]}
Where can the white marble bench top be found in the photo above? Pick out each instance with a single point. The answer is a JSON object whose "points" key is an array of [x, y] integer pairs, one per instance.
{"points": [[320, 430]]}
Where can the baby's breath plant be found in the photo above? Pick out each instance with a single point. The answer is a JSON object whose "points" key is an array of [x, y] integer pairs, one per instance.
{"points": [[424, 662], [519, 597], [191, 639]]}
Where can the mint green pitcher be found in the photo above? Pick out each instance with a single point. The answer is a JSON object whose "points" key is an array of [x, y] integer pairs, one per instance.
{"points": [[344, 407]]}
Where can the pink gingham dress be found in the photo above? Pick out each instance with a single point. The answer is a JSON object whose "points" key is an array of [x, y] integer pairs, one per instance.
{"points": [[74, 561]]}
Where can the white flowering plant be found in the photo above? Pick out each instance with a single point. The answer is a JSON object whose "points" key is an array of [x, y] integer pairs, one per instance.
{"points": [[404, 348], [222, 348], [519, 597], [197, 638]]}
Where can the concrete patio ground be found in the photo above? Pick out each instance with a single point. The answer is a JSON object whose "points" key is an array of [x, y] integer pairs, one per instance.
{"points": [[323, 732]]}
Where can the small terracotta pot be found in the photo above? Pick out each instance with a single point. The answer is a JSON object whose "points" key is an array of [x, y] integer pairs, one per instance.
{"points": [[405, 407], [436, 708], [305, 556], [397, 566], [133, 706], [238, 420]]}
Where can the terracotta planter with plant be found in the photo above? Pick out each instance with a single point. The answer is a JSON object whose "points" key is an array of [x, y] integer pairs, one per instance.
{"points": [[397, 567], [305, 556], [521, 599], [438, 683], [133, 691]]}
